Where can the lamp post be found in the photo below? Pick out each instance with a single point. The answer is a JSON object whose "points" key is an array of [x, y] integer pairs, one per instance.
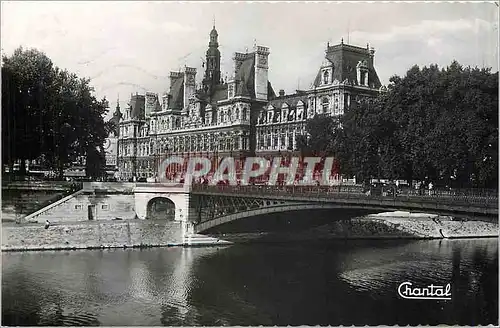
{"points": [[378, 164]]}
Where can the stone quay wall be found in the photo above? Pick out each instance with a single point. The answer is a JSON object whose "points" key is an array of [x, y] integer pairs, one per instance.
{"points": [[88, 235]]}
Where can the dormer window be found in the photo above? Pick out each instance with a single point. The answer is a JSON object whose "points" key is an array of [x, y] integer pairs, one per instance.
{"points": [[270, 116], [363, 78], [362, 73], [326, 77], [284, 112]]}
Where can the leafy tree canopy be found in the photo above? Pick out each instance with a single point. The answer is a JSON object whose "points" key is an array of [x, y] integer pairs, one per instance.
{"points": [[49, 113], [433, 124]]}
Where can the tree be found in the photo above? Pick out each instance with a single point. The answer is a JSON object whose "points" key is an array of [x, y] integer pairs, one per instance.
{"points": [[433, 124], [320, 135], [51, 114], [30, 73], [444, 121]]}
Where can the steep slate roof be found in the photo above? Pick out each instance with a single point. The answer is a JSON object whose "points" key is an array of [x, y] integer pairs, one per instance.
{"points": [[137, 104], [220, 93], [270, 91], [177, 93], [245, 78], [344, 58]]}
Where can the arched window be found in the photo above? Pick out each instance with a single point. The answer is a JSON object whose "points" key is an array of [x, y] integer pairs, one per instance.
{"points": [[237, 113], [324, 104]]}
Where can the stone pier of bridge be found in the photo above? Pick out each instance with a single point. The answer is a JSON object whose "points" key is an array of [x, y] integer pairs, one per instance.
{"points": [[179, 195]]}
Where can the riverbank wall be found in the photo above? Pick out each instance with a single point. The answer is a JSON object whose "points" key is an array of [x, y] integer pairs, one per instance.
{"points": [[92, 235], [161, 233]]}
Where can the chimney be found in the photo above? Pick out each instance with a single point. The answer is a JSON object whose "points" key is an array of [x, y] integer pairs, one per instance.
{"points": [[238, 59], [282, 93], [261, 72]]}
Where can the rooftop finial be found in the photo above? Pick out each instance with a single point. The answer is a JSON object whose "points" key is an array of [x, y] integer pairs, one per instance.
{"points": [[342, 41], [214, 20]]}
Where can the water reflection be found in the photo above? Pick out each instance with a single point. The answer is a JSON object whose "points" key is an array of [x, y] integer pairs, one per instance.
{"points": [[337, 283]]}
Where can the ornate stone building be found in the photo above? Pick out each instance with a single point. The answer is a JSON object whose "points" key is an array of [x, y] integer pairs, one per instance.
{"points": [[240, 117]]}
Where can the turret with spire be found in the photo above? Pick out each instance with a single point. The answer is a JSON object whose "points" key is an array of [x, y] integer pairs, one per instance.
{"points": [[117, 116], [212, 70]]}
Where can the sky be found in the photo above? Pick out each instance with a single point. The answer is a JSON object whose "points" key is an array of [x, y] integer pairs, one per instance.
{"points": [[131, 47]]}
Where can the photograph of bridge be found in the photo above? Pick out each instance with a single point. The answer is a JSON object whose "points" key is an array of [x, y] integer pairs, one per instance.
{"points": [[249, 164]]}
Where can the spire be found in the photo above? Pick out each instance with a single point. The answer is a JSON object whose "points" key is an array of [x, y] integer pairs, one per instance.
{"points": [[213, 37], [212, 64]]}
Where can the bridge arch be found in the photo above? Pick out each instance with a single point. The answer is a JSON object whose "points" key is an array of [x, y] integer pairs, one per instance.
{"points": [[143, 204], [300, 206], [160, 208], [281, 208]]}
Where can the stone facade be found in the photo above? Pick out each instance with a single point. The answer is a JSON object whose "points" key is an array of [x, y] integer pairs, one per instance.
{"points": [[239, 117]]}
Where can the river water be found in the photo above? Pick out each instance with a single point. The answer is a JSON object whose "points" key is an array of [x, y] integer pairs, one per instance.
{"points": [[327, 283]]}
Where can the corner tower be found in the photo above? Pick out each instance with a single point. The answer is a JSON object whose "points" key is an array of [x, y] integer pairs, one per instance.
{"points": [[212, 70]]}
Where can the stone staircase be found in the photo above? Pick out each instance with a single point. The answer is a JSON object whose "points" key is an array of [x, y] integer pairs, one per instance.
{"points": [[32, 217]]}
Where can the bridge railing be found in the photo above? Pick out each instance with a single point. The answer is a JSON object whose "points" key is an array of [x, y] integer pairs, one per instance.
{"points": [[349, 191]]}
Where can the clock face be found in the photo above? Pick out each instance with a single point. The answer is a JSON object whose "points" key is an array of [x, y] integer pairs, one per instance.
{"points": [[262, 60]]}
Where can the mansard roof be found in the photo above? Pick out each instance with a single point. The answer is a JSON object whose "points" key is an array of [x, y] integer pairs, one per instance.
{"points": [[344, 59], [291, 100]]}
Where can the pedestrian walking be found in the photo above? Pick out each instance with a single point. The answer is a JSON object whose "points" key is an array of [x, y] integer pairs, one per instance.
{"points": [[430, 188], [47, 224]]}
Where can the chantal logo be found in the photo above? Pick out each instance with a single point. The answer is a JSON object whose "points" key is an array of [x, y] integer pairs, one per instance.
{"points": [[431, 292]]}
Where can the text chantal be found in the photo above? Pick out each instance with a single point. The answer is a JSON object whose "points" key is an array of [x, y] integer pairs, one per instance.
{"points": [[431, 292]]}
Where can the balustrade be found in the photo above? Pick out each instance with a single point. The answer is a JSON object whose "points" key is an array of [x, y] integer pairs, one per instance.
{"points": [[468, 196]]}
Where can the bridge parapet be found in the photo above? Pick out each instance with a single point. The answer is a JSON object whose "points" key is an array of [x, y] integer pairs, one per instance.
{"points": [[460, 204], [349, 191], [224, 203]]}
